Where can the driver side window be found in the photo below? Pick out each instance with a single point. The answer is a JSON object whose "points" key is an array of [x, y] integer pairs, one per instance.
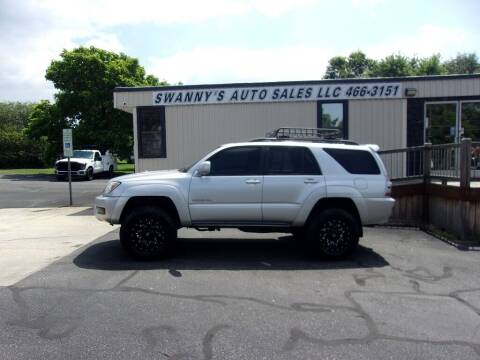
{"points": [[237, 161], [98, 157]]}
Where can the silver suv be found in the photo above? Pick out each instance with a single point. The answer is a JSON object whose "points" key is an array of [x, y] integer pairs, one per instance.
{"points": [[320, 189]]}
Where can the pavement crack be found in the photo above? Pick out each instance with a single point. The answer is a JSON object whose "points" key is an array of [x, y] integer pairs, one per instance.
{"points": [[207, 343]]}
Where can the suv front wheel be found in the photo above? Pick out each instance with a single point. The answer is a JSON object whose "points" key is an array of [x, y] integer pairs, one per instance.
{"points": [[148, 233], [333, 233]]}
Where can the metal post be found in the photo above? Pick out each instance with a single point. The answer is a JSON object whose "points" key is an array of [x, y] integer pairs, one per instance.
{"points": [[465, 162], [427, 161], [70, 180]]}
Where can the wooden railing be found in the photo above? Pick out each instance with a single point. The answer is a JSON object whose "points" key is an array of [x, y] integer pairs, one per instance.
{"points": [[457, 163]]}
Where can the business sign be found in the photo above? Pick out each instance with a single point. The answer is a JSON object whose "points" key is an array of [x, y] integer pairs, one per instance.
{"points": [[257, 94], [67, 143]]}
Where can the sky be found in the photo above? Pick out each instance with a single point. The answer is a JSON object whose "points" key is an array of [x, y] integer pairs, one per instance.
{"points": [[222, 41]]}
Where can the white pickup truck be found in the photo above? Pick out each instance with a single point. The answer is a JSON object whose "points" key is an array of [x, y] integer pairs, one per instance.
{"points": [[86, 163]]}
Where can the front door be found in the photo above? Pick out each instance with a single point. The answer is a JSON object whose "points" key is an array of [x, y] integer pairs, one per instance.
{"points": [[441, 122], [232, 192]]}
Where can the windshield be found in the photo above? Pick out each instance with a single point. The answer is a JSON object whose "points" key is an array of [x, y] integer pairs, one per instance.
{"points": [[83, 154]]}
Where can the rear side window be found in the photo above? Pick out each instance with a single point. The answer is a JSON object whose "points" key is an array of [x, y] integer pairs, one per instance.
{"points": [[236, 161], [355, 161], [289, 160]]}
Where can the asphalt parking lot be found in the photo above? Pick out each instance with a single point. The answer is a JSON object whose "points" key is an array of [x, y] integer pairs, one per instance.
{"points": [[39, 191], [232, 295]]}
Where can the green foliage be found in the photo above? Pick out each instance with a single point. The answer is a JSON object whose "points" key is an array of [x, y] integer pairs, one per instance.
{"points": [[429, 66], [14, 114], [85, 78], [358, 65], [463, 64], [391, 66], [16, 150], [45, 126]]}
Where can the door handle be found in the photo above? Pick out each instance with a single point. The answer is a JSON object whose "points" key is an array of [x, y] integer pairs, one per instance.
{"points": [[310, 181], [252, 181]]}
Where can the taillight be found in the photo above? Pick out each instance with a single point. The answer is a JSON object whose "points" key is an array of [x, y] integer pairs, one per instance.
{"points": [[388, 188]]}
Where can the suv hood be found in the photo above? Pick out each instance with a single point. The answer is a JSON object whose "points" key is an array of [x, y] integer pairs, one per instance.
{"points": [[152, 176]]}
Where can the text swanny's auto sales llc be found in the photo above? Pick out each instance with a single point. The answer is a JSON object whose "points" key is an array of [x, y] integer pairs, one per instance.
{"points": [[276, 94]]}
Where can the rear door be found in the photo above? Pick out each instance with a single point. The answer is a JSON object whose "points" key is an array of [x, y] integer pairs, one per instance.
{"points": [[291, 174]]}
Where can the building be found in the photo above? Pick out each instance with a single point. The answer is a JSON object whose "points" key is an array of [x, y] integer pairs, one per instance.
{"points": [[175, 125]]}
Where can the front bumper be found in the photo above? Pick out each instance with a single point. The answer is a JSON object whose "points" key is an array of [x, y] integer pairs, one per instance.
{"points": [[109, 208], [74, 173]]}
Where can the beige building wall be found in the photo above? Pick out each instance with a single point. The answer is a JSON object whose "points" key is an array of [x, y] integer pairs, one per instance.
{"points": [[444, 87], [381, 122], [194, 130]]}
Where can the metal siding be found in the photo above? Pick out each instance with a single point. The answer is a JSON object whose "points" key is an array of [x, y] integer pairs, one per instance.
{"points": [[381, 122], [445, 88], [194, 130]]}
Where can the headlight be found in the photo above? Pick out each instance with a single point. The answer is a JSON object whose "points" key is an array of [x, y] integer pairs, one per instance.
{"points": [[112, 185], [82, 166]]}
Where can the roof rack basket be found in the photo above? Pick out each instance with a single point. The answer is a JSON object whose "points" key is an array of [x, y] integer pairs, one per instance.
{"points": [[305, 133]]}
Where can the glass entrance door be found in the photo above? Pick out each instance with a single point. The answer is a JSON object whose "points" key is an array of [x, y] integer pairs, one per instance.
{"points": [[470, 119], [441, 122]]}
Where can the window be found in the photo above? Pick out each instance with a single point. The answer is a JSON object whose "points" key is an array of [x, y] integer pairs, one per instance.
{"points": [[237, 161], [151, 132], [332, 115], [355, 161], [98, 157], [286, 160]]}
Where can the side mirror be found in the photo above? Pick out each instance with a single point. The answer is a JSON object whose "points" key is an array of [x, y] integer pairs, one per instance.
{"points": [[204, 168]]}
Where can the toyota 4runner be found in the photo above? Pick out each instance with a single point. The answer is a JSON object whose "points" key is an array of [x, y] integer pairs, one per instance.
{"points": [[319, 188]]}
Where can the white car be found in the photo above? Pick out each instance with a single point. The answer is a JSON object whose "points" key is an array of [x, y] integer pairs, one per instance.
{"points": [[322, 191], [86, 163]]}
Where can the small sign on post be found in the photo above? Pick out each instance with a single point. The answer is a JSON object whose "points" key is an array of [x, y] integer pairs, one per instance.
{"points": [[68, 153]]}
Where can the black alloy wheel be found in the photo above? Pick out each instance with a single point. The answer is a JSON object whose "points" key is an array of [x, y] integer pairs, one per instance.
{"points": [[333, 233], [148, 233]]}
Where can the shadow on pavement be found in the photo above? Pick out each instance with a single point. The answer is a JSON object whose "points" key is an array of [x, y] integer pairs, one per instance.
{"points": [[52, 178], [225, 254]]}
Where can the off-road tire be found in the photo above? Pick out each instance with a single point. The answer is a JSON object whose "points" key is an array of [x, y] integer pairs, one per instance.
{"points": [[332, 234], [148, 233], [89, 174]]}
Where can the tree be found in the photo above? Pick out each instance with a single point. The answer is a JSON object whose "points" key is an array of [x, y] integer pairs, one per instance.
{"points": [[356, 65], [16, 150], [391, 66], [14, 114], [44, 126], [463, 64], [85, 78], [429, 66]]}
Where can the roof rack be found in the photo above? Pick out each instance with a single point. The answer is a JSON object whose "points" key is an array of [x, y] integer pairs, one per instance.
{"points": [[306, 134]]}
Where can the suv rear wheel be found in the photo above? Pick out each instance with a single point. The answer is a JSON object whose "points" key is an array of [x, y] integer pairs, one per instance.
{"points": [[148, 233], [333, 233]]}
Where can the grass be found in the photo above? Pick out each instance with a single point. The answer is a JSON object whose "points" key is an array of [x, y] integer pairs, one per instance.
{"points": [[48, 171], [122, 168]]}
